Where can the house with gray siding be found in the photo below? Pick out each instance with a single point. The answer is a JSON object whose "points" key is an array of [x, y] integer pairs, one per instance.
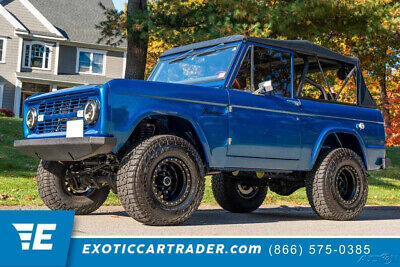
{"points": [[48, 45]]}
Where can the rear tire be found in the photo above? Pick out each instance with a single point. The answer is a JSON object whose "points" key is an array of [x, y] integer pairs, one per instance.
{"points": [[51, 184], [161, 181], [233, 196], [337, 187]]}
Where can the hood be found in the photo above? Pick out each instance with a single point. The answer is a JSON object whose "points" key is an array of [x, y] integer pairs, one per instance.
{"points": [[166, 90], [120, 87], [72, 90]]}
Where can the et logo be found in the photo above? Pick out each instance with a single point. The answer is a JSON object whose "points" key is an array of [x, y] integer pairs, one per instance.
{"points": [[26, 233], [35, 237]]}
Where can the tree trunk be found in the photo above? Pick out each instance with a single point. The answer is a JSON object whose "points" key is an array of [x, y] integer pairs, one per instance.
{"points": [[384, 96], [137, 46]]}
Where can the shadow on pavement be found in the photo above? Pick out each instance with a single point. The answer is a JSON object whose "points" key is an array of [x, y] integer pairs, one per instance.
{"points": [[276, 214]]}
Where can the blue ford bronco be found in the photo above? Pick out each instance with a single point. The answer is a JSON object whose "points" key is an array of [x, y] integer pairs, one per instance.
{"points": [[253, 113]]}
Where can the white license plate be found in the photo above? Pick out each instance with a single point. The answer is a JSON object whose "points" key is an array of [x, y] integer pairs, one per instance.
{"points": [[75, 128]]}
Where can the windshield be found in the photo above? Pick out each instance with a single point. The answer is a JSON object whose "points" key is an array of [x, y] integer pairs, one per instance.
{"points": [[203, 67]]}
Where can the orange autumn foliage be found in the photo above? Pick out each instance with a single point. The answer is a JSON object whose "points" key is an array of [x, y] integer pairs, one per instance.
{"points": [[393, 132]]}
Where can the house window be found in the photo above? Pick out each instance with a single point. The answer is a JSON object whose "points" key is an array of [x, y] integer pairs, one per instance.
{"points": [[36, 55], [91, 62], [2, 50]]}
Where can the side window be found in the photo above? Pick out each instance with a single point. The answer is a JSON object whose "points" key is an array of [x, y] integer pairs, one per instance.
{"points": [[335, 83], [267, 65], [275, 66]]}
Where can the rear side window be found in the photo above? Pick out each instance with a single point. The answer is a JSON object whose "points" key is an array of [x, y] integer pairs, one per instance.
{"points": [[325, 80]]}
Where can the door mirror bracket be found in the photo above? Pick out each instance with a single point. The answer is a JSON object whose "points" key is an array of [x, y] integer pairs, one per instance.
{"points": [[264, 87]]}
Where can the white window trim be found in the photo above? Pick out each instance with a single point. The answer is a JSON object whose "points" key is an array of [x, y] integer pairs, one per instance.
{"points": [[30, 53], [57, 58], [104, 53], [4, 54]]}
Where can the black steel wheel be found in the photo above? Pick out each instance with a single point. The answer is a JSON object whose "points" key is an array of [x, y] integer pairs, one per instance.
{"points": [[235, 195], [345, 185], [246, 191], [161, 181], [60, 191], [337, 187], [171, 181]]}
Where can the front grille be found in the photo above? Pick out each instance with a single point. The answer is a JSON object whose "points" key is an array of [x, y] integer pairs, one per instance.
{"points": [[58, 111], [55, 125], [61, 106]]}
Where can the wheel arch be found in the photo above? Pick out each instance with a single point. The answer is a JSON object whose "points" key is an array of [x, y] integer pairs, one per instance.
{"points": [[172, 123], [335, 138]]}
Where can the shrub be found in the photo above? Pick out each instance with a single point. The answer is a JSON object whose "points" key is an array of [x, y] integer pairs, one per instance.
{"points": [[5, 112]]}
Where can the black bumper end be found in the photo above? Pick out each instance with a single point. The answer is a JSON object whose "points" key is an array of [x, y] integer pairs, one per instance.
{"points": [[66, 149]]}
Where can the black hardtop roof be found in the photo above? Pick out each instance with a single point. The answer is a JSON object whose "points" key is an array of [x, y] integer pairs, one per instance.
{"points": [[300, 46]]}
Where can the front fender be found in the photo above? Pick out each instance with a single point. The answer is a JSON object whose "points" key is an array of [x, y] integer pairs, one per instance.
{"points": [[179, 113], [321, 139], [129, 111]]}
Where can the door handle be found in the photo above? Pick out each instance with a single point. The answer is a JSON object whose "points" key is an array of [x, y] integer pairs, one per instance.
{"points": [[297, 103]]}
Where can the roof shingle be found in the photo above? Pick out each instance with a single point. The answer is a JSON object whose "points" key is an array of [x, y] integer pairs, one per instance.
{"points": [[75, 19]]}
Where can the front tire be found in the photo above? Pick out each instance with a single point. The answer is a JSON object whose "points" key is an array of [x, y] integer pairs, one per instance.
{"points": [[161, 182], [235, 196], [337, 187], [58, 195]]}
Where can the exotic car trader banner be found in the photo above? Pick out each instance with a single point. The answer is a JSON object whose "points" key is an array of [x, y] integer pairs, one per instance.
{"points": [[43, 238]]}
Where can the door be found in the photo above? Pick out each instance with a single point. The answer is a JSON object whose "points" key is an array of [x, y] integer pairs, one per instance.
{"points": [[264, 124]]}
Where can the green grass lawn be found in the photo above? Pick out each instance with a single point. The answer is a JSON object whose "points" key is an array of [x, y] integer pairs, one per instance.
{"points": [[18, 187]]}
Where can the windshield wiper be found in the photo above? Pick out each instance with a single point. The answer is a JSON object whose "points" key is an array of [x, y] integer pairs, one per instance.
{"points": [[212, 51], [182, 57], [200, 54]]}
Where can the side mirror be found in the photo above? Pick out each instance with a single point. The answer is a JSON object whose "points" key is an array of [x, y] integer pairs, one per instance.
{"points": [[264, 87]]}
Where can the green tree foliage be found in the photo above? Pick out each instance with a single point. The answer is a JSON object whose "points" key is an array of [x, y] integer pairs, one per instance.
{"points": [[172, 22]]}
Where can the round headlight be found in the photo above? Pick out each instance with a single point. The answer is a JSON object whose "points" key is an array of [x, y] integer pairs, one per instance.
{"points": [[31, 118], [91, 111]]}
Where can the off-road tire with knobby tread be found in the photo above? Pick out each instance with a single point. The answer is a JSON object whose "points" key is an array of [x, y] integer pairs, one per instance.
{"points": [[310, 177], [320, 180], [226, 195], [134, 182], [50, 178]]}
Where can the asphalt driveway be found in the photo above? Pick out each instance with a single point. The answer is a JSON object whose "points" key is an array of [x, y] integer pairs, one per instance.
{"points": [[266, 221]]}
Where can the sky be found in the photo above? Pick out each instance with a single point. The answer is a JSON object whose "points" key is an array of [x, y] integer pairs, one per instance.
{"points": [[119, 4]]}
